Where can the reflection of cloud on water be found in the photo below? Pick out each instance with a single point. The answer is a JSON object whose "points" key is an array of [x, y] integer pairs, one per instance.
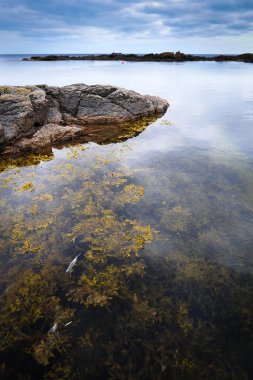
{"points": [[165, 138], [201, 203]]}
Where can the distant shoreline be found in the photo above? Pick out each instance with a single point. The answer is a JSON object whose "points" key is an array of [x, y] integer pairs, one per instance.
{"points": [[162, 57]]}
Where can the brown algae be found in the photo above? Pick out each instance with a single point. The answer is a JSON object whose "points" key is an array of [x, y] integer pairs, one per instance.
{"points": [[144, 305]]}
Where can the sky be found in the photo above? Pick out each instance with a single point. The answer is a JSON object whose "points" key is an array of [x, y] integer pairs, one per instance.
{"points": [[105, 26]]}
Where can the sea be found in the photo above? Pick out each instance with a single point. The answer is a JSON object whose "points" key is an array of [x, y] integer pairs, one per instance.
{"points": [[162, 217]]}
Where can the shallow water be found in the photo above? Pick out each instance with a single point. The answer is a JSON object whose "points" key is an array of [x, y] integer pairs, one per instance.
{"points": [[164, 285]]}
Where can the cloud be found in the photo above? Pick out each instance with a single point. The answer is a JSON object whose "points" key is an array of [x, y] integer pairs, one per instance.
{"points": [[192, 18], [119, 21]]}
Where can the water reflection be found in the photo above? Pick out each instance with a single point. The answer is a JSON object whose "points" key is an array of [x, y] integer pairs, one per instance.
{"points": [[163, 287], [202, 204]]}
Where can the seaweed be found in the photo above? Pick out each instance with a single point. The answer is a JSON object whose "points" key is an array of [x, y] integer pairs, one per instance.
{"points": [[147, 298]]}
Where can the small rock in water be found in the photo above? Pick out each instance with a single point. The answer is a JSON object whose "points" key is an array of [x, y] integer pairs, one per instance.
{"points": [[53, 329]]}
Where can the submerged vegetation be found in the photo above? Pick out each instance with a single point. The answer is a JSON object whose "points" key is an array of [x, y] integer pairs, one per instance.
{"points": [[123, 311]]}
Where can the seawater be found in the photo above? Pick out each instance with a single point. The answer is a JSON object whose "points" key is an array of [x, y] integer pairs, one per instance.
{"points": [[164, 286]]}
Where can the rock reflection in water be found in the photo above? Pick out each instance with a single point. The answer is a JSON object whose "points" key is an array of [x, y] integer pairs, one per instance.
{"points": [[157, 292]]}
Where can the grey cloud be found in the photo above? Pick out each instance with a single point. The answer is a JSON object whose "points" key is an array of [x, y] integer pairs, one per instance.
{"points": [[175, 18]]}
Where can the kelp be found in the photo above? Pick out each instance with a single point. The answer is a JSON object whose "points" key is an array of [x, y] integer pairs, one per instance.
{"points": [[27, 309], [9, 163], [38, 233], [144, 300]]}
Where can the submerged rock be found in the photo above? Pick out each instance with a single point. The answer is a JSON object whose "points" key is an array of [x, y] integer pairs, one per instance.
{"points": [[32, 117]]}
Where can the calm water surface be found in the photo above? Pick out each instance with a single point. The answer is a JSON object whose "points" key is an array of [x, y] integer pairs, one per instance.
{"points": [[163, 288]]}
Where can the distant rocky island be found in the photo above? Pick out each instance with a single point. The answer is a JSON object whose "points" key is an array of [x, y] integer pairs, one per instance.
{"points": [[161, 57]]}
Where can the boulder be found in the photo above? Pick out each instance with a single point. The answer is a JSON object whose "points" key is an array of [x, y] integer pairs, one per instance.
{"points": [[42, 115]]}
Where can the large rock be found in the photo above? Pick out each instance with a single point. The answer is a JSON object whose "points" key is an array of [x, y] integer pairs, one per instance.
{"points": [[40, 115]]}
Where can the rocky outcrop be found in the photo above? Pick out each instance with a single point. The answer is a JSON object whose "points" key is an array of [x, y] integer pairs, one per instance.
{"points": [[32, 117], [160, 57]]}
